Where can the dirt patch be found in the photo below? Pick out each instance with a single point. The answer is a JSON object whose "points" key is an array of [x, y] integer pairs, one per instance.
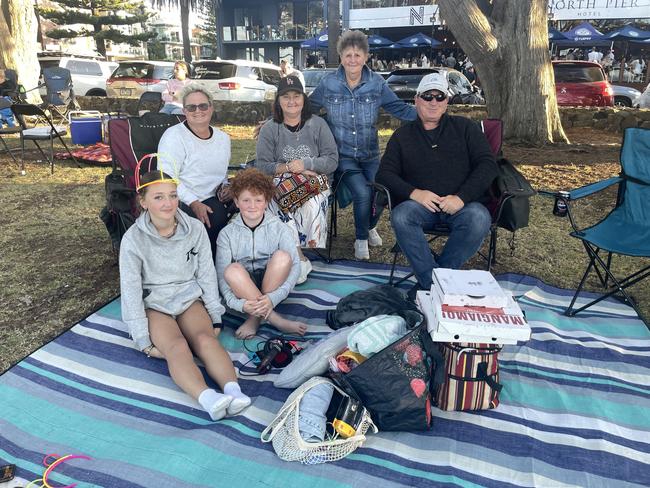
{"points": [[588, 147]]}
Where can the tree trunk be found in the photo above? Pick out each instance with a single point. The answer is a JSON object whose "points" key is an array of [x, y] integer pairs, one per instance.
{"points": [[507, 41], [185, 30], [18, 44]]}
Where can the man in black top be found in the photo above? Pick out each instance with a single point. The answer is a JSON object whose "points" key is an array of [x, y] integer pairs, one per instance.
{"points": [[438, 169]]}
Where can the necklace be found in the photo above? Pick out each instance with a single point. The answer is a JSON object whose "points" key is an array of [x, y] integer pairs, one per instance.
{"points": [[295, 129], [173, 231]]}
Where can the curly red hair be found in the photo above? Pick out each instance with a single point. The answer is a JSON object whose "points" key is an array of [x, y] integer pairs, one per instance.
{"points": [[255, 182]]}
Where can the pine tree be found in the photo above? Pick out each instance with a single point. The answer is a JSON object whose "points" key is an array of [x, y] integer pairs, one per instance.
{"points": [[209, 26], [98, 18]]}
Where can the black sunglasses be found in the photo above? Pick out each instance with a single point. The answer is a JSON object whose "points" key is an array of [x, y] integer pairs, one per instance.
{"points": [[427, 97], [201, 106]]}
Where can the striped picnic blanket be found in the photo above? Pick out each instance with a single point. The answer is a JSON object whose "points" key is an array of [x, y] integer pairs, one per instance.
{"points": [[575, 408]]}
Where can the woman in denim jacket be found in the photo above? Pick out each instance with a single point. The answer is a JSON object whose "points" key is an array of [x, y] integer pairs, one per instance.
{"points": [[352, 96]]}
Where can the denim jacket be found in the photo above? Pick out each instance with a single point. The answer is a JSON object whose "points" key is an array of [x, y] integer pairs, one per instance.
{"points": [[352, 113]]}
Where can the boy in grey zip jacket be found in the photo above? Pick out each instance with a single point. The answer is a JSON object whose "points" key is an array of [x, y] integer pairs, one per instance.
{"points": [[257, 262]]}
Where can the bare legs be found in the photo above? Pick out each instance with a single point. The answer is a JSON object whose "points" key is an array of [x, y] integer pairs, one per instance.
{"points": [[277, 271], [176, 339]]}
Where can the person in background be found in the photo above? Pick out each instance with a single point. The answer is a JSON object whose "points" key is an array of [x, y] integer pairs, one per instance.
{"points": [[257, 262], [175, 85], [7, 86], [200, 154], [286, 69], [352, 97], [170, 299], [437, 169], [295, 141]]}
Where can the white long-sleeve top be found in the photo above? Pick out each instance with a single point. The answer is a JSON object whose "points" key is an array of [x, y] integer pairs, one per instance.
{"points": [[200, 164]]}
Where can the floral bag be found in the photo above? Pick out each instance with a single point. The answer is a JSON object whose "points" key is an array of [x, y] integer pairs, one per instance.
{"points": [[294, 189], [396, 383]]}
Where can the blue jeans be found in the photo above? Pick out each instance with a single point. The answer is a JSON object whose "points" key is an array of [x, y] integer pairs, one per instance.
{"points": [[468, 228], [171, 109], [357, 181]]}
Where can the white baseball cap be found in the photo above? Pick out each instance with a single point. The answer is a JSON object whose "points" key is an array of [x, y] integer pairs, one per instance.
{"points": [[433, 81]]}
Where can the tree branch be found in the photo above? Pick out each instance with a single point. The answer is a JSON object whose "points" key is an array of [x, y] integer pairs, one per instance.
{"points": [[474, 21]]}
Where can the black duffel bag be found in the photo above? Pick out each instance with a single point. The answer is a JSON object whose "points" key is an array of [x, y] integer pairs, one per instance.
{"points": [[513, 191], [396, 384]]}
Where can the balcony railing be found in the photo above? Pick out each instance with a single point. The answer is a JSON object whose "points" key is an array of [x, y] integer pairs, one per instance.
{"points": [[285, 32]]}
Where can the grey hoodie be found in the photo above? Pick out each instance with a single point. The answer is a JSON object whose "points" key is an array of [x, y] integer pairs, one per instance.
{"points": [[237, 243], [165, 274]]}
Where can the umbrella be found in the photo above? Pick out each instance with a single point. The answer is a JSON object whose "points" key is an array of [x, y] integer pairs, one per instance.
{"points": [[585, 32], [628, 33], [419, 40], [378, 41], [555, 35], [316, 42]]}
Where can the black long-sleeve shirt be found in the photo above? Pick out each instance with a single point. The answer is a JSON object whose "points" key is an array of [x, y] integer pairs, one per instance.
{"points": [[454, 160]]}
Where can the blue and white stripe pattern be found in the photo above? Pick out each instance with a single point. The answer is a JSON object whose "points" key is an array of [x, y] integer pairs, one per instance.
{"points": [[575, 408]]}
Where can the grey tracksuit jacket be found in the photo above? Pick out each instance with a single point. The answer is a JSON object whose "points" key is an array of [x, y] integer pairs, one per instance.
{"points": [[165, 274], [237, 243]]}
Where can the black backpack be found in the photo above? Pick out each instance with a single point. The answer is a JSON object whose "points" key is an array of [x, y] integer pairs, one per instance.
{"points": [[513, 190]]}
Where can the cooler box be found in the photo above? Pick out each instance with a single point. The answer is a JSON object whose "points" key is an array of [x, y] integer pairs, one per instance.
{"points": [[85, 127]]}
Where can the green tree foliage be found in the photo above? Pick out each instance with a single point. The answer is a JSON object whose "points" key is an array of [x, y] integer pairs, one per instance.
{"points": [[97, 19], [209, 26]]}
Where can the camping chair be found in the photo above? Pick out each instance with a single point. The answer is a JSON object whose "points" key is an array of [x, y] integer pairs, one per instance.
{"points": [[129, 139], [17, 95], [493, 130], [625, 230], [35, 134], [4, 131], [59, 99], [150, 101]]}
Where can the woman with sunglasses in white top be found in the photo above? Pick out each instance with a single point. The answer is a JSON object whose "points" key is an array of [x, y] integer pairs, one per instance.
{"points": [[199, 154]]}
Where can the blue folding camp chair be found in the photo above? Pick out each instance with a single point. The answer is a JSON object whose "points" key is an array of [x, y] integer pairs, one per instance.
{"points": [[59, 99], [626, 229]]}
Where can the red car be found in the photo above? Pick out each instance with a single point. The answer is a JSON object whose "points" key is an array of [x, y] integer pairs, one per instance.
{"points": [[582, 83]]}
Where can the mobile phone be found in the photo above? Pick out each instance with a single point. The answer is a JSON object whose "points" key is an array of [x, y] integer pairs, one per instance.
{"points": [[7, 472]]}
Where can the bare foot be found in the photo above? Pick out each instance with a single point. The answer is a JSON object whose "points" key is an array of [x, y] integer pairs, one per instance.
{"points": [[286, 325], [248, 328]]}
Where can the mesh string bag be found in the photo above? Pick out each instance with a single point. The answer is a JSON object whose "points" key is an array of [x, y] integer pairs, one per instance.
{"points": [[283, 432]]}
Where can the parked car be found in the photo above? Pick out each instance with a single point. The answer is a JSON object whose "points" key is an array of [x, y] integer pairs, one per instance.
{"points": [[404, 82], [582, 83], [89, 74], [313, 77], [624, 96], [132, 78], [238, 80]]}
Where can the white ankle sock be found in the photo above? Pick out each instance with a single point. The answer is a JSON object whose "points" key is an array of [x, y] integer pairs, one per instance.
{"points": [[215, 403], [239, 400]]}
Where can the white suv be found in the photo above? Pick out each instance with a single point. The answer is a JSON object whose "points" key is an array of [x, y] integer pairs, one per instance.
{"points": [[88, 75], [238, 80]]}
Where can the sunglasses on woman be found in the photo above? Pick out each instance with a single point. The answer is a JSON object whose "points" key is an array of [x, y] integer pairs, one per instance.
{"points": [[193, 106], [427, 97]]}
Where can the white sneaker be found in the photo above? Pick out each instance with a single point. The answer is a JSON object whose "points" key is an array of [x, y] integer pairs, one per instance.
{"points": [[305, 269], [361, 249], [374, 239]]}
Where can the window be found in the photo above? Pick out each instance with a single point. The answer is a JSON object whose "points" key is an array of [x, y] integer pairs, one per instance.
{"points": [[134, 70], [576, 73], [271, 76], [214, 71], [79, 67]]}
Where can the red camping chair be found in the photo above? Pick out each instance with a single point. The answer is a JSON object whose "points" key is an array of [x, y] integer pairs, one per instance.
{"points": [[130, 139], [493, 130]]}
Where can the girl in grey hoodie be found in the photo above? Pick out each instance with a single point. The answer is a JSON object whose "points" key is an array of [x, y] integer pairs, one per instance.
{"points": [[170, 299], [257, 261]]}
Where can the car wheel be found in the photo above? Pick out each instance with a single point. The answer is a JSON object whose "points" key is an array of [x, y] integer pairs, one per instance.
{"points": [[96, 93], [622, 102]]}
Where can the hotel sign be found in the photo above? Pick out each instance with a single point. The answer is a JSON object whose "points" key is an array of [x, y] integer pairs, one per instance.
{"points": [[598, 9], [416, 15]]}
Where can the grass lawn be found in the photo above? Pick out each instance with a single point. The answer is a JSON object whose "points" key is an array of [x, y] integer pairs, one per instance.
{"points": [[56, 264]]}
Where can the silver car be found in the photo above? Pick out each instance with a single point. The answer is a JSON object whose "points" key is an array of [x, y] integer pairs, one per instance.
{"points": [[404, 82], [624, 96]]}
